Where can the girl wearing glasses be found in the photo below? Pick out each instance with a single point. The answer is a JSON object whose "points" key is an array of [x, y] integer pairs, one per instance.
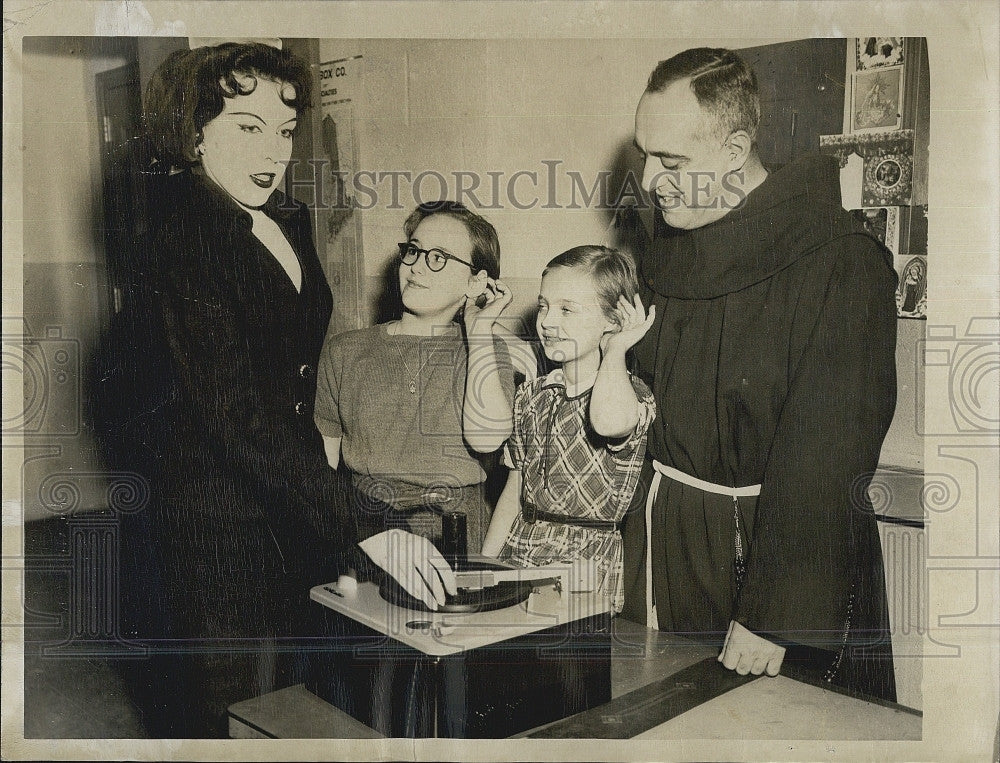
{"points": [[580, 432], [410, 405]]}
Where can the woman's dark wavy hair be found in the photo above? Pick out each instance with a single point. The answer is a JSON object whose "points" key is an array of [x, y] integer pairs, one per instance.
{"points": [[485, 243], [186, 92]]}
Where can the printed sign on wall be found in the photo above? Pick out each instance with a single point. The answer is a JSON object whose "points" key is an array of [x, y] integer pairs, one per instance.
{"points": [[340, 89]]}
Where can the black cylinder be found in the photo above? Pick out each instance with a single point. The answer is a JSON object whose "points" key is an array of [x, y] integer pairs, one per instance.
{"points": [[454, 538]]}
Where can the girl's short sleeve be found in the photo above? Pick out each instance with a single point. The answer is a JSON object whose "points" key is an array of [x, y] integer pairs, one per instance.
{"points": [[326, 412], [513, 453]]}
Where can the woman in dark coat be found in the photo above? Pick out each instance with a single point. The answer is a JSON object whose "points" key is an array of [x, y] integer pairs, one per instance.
{"points": [[232, 308]]}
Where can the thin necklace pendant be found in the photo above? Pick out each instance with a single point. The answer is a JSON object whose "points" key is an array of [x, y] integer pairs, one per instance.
{"points": [[412, 386]]}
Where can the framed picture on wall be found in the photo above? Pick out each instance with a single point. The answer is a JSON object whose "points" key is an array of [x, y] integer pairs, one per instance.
{"points": [[911, 293], [877, 100], [873, 52], [881, 222], [888, 179]]}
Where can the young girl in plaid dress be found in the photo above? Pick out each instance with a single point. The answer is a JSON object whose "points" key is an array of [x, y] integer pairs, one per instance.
{"points": [[579, 432]]}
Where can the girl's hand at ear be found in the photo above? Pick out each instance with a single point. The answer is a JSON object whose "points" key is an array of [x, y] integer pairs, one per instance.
{"points": [[633, 323], [483, 309], [615, 410]]}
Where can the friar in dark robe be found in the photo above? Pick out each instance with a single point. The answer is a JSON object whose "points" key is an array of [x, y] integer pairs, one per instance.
{"points": [[772, 360]]}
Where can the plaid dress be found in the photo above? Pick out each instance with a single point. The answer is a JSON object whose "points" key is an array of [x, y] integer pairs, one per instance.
{"points": [[568, 469]]}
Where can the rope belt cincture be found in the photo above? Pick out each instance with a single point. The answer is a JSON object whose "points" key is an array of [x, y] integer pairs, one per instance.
{"points": [[661, 471]]}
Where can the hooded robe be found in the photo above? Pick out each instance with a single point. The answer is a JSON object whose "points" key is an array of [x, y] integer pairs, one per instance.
{"points": [[772, 361]]}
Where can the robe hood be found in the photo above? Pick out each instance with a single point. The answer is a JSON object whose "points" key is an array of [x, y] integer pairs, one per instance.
{"points": [[795, 211]]}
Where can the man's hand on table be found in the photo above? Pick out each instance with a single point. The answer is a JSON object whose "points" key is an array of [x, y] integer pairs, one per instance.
{"points": [[415, 564], [746, 652]]}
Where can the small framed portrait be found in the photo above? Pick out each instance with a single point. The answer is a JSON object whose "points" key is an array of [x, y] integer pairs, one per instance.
{"points": [[911, 293], [881, 222], [887, 179], [877, 100], [873, 52]]}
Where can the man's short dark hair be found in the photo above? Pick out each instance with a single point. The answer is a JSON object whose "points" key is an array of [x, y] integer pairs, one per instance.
{"points": [[188, 89], [721, 81]]}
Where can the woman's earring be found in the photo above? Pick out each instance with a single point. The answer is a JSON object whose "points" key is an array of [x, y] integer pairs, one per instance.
{"points": [[200, 149]]}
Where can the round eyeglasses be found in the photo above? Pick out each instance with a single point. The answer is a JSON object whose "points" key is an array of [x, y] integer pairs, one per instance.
{"points": [[436, 259]]}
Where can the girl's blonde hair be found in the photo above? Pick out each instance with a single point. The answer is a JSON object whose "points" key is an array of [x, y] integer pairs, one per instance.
{"points": [[613, 271]]}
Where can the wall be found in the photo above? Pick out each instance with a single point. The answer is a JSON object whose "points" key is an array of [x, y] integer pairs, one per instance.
{"points": [[65, 296], [904, 445], [460, 105], [465, 105], [898, 488], [62, 161], [481, 106], [441, 105]]}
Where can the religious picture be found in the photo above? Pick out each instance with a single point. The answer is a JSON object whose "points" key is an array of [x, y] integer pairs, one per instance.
{"points": [[911, 294], [873, 52], [877, 100], [881, 222], [887, 179]]}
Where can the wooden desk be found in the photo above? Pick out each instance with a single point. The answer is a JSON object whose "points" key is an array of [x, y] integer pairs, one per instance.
{"points": [[293, 713], [766, 708], [782, 708]]}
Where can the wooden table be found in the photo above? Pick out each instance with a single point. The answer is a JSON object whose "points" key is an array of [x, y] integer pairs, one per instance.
{"points": [[643, 660]]}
